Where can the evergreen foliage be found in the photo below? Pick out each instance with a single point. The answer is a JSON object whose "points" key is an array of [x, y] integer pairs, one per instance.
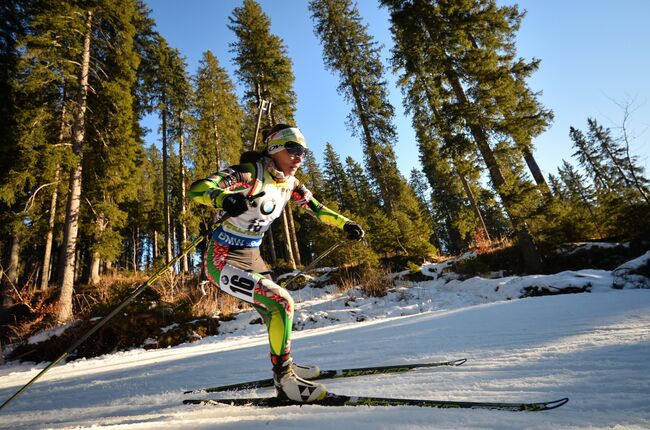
{"points": [[464, 87], [351, 52], [460, 69], [263, 67], [217, 135]]}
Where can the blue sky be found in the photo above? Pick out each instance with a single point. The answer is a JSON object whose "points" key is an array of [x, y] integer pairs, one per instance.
{"points": [[594, 55]]}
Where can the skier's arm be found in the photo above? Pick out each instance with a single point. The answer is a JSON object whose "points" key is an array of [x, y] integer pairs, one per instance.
{"points": [[304, 198], [212, 190]]}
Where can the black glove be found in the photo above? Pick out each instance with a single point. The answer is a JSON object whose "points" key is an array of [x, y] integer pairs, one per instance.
{"points": [[235, 204], [354, 230]]}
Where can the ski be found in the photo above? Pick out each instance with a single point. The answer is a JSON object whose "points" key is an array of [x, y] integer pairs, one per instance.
{"points": [[331, 374], [341, 400]]}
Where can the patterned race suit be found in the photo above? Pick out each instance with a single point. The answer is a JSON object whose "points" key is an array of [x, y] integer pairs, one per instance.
{"points": [[233, 262]]}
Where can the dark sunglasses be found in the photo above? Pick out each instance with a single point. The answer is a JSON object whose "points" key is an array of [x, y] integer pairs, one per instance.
{"points": [[294, 148]]}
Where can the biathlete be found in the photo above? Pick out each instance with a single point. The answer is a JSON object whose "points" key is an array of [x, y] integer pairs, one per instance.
{"points": [[233, 262]]}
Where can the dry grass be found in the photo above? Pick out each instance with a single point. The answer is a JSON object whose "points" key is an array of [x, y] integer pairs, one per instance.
{"points": [[481, 244], [374, 282], [207, 300], [170, 287]]}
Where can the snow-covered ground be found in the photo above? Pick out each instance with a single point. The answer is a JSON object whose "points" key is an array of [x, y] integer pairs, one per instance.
{"points": [[592, 347]]}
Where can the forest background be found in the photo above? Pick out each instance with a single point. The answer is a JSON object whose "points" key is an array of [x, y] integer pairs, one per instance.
{"points": [[86, 197]]}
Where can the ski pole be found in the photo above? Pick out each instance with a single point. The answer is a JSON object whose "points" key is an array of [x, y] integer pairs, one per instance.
{"points": [[121, 306], [104, 320], [315, 262]]}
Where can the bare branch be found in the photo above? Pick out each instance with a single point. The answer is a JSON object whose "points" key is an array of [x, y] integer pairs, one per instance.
{"points": [[30, 201]]}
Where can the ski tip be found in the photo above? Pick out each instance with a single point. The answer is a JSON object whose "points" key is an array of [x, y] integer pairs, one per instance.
{"points": [[458, 362], [555, 404]]}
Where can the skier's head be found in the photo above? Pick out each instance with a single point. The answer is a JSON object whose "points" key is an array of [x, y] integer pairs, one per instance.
{"points": [[285, 137], [287, 147]]}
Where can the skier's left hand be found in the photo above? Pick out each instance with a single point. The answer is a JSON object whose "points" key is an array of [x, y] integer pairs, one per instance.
{"points": [[354, 230]]}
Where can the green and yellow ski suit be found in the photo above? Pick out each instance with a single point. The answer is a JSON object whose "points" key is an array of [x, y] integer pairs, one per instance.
{"points": [[233, 262]]}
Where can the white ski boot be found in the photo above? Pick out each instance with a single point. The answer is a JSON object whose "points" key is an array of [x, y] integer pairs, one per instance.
{"points": [[305, 371], [292, 387]]}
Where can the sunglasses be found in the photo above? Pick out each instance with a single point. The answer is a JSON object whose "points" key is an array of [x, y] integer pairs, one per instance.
{"points": [[296, 149]]}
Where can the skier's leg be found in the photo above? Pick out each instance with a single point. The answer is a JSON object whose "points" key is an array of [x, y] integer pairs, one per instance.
{"points": [[276, 303], [276, 306]]}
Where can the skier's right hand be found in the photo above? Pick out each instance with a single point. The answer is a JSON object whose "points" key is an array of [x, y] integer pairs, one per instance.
{"points": [[354, 230], [235, 204]]}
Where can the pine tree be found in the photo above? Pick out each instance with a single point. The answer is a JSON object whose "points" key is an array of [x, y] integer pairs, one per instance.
{"points": [[113, 148], [312, 175], [217, 135], [622, 168], [263, 66], [350, 51], [337, 185], [590, 159], [362, 198], [265, 71], [33, 79], [466, 50], [168, 85]]}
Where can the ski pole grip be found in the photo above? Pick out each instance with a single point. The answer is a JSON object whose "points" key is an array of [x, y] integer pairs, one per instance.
{"points": [[256, 196]]}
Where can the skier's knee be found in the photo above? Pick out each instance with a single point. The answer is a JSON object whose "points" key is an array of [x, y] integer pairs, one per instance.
{"points": [[271, 290]]}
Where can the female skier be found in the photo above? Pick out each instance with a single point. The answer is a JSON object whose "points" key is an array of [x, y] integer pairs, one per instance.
{"points": [[233, 262]]}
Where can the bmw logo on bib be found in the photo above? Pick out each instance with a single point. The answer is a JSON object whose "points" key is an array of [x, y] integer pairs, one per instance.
{"points": [[267, 207]]}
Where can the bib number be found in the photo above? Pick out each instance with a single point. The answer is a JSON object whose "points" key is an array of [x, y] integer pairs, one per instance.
{"points": [[238, 283]]}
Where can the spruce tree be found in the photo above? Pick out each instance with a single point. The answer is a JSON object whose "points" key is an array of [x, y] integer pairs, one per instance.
{"points": [[263, 66], [350, 51], [362, 196], [217, 134], [591, 160], [467, 50], [574, 187], [337, 186], [33, 81], [168, 86], [113, 148]]}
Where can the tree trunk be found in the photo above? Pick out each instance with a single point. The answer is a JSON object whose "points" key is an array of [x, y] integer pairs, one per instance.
{"points": [[294, 236], [529, 251], [287, 240], [478, 133], [536, 172], [181, 152], [47, 255], [10, 277], [94, 268], [135, 237], [166, 210], [72, 211], [474, 203]]}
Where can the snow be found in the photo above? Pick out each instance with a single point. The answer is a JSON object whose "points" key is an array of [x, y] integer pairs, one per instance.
{"points": [[591, 347], [46, 334]]}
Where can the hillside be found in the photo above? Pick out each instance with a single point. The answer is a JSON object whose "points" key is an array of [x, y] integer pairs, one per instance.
{"points": [[591, 347]]}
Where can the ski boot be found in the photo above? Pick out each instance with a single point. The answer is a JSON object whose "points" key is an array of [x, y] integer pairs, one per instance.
{"points": [[305, 371], [292, 387]]}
